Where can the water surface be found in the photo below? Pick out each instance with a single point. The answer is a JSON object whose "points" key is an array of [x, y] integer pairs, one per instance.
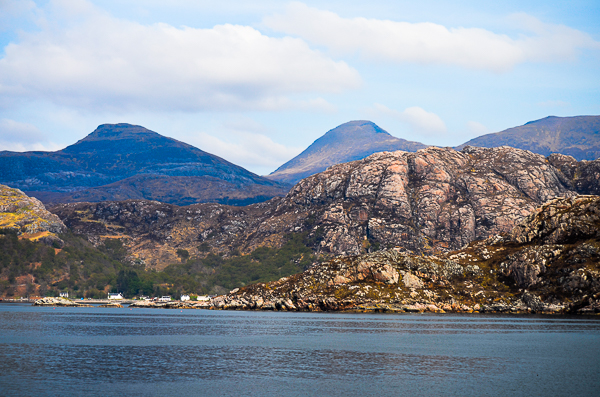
{"points": [[158, 352]]}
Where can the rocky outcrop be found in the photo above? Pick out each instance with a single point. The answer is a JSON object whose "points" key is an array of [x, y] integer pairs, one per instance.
{"points": [[27, 216], [433, 200], [170, 305], [545, 272], [58, 302]]}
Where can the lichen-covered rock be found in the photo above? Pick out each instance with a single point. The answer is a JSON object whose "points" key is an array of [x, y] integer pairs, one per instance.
{"points": [[26, 215]]}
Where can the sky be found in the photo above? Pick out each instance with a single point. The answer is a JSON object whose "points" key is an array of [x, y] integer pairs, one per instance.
{"points": [[257, 82]]}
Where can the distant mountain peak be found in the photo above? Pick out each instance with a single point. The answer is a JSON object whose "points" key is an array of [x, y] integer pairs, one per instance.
{"points": [[123, 161], [360, 126], [119, 131], [350, 141]]}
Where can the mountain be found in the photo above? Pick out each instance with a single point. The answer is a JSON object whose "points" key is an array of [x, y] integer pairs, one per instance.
{"points": [[124, 161], [350, 141], [574, 136], [548, 263], [433, 200]]}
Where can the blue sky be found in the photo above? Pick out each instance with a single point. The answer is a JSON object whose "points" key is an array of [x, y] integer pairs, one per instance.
{"points": [[257, 82]]}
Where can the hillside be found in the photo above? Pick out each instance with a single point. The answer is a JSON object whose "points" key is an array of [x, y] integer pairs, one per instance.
{"points": [[578, 137], [350, 141], [433, 200], [123, 161], [548, 263], [40, 256]]}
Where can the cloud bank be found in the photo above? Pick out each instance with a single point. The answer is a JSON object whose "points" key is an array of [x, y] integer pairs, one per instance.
{"points": [[101, 62], [20, 137], [430, 43]]}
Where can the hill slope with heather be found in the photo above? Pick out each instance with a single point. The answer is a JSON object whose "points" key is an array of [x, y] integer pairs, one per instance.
{"points": [[124, 161]]}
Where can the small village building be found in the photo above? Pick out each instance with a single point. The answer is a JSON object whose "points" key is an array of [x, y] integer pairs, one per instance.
{"points": [[113, 295], [184, 298], [64, 294], [165, 298]]}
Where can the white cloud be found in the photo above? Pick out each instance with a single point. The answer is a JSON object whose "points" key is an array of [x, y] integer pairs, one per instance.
{"points": [[21, 137], [430, 43], [249, 149], [477, 129], [420, 120], [101, 62], [15, 131]]}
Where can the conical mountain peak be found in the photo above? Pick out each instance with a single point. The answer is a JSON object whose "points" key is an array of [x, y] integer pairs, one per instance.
{"points": [[350, 141]]}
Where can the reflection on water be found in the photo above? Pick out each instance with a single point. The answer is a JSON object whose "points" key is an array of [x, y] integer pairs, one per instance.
{"points": [[46, 351]]}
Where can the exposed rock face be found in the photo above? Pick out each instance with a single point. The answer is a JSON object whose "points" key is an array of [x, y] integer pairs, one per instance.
{"points": [[26, 215], [124, 161], [350, 141], [577, 136], [561, 272], [434, 200]]}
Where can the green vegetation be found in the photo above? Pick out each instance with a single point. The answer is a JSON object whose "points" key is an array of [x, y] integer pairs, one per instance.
{"points": [[88, 271]]}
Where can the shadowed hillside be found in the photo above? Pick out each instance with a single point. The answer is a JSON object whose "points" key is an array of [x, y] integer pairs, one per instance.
{"points": [[574, 136], [124, 161]]}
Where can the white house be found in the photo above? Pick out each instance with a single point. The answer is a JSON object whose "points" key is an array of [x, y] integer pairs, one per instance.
{"points": [[184, 298], [64, 294], [112, 295], [165, 298]]}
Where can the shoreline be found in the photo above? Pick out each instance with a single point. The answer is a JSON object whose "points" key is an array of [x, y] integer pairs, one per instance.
{"points": [[361, 308]]}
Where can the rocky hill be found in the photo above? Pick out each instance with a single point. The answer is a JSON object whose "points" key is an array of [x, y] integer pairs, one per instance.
{"points": [[123, 161], [578, 137], [548, 263], [27, 216], [350, 141], [433, 200]]}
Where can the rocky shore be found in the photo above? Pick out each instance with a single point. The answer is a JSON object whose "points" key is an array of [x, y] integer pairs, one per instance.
{"points": [[49, 301]]}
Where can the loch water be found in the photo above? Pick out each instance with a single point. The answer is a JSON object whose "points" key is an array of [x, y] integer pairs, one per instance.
{"points": [[47, 351]]}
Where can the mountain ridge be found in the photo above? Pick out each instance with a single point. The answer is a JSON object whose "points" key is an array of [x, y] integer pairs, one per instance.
{"points": [[577, 136], [94, 167]]}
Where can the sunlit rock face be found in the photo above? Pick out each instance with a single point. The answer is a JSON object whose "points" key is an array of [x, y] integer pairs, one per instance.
{"points": [[436, 199]]}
